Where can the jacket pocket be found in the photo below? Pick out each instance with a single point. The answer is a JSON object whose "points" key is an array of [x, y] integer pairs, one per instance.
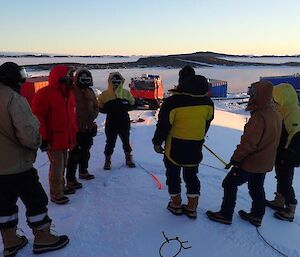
{"points": [[186, 152]]}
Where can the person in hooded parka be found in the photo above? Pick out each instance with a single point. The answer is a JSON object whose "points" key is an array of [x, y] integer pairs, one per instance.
{"points": [[116, 102], [288, 152], [87, 111], [253, 157]]}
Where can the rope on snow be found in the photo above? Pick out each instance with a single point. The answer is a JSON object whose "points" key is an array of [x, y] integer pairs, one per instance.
{"points": [[281, 253], [156, 180], [168, 240]]}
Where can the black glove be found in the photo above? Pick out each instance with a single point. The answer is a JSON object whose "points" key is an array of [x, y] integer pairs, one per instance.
{"points": [[288, 157], [45, 146], [158, 149], [231, 163], [94, 130]]}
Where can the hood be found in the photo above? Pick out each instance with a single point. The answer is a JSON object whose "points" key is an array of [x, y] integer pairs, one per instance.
{"points": [[195, 85], [110, 85], [285, 97], [56, 73], [261, 97]]}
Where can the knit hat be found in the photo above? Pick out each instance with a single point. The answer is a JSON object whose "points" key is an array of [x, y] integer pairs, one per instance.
{"points": [[195, 85], [12, 75], [185, 72]]}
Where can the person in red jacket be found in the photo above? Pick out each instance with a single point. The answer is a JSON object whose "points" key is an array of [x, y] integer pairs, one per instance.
{"points": [[55, 107]]}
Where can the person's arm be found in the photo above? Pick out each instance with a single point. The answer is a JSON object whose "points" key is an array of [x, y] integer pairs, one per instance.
{"points": [[25, 123], [163, 125], [253, 133]]}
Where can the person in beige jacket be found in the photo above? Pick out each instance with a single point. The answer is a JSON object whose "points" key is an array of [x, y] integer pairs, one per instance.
{"points": [[19, 142], [253, 157]]}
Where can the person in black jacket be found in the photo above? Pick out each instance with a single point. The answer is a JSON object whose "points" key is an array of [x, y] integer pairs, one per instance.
{"points": [[116, 102], [183, 121]]}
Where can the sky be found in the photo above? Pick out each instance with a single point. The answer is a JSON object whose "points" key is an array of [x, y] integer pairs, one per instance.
{"points": [[156, 27]]}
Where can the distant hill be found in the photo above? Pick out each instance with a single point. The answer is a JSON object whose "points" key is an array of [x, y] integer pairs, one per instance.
{"points": [[197, 59]]}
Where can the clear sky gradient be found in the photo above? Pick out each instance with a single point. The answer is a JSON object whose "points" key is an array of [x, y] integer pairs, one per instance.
{"points": [[150, 27]]}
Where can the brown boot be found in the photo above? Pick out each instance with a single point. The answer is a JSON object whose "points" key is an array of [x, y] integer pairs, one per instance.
{"points": [[129, 161], [190, 209], [278, 202], [44, 241], [12, 242], [287, 214], [107, 164], [174, 205]]}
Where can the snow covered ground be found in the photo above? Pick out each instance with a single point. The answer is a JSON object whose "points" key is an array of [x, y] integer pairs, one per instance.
{"points": [[122, 213]]}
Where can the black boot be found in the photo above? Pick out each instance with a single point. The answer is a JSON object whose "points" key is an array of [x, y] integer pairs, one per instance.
{"points": [[129, 161], [107, 164]]}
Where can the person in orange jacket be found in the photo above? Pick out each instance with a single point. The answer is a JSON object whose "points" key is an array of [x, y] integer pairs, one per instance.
{"points": [[55, 107]]}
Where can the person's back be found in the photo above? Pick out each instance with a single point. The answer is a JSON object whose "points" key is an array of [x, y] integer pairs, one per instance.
{"points": [[183, 121], [19, 133], [262, 133]]}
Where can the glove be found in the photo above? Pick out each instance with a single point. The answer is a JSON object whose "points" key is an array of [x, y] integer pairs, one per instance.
{"points": [[94, 130], [231, 163], [159, 149], [45, 146]]}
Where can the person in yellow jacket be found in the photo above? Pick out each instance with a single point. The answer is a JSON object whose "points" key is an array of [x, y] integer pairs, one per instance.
{"points": [[183, 121], [116, 102], [288, 152]]}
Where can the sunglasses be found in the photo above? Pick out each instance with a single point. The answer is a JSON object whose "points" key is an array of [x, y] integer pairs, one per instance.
{"points": [[116, 82], [85, 80]]}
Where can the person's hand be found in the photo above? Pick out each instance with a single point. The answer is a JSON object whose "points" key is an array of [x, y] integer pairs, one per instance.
{"points": [[45, 146], [159, 149], [231, 163]]}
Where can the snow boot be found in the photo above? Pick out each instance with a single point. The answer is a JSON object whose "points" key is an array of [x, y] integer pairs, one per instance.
{"points": [[44, 241], [107, 164], [86, 175], [276, 204], [174, 206], [12, 242], [190, 209], [287, 214], [59, 200], [129, 161], [218, 217], [68, 190], [74, 184], [256, 221]]}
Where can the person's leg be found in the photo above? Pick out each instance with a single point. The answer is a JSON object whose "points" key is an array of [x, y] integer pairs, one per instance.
{"points": [[73, 160], [257, 193], [174, 186], [12, 242], [34, 198], [234, 178], [111, 138], [284, 176], [85, 155], [193, 190], [56, 175], [85, 146]]}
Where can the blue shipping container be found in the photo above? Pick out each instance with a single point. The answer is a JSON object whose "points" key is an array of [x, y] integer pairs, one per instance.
{"points": [[217, 88], [294, 80]]}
